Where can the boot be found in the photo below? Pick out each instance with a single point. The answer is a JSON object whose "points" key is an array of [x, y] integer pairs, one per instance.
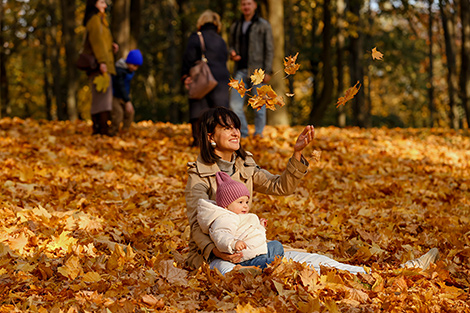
{"points": [[423, 261]]}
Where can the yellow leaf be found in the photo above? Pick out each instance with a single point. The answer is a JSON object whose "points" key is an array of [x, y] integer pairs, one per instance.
{"points": [[376, 55], [266, 96], [257, 77], [350, 93], [19, 243], [63, 241], [102, 82], [289, 64], [91, 277], [72, 268]]}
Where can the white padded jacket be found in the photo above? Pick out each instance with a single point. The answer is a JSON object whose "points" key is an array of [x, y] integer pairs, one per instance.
{"points": [[225, 228]]}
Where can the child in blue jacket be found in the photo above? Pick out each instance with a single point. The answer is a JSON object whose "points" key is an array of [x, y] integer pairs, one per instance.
{"points": [[123, 110]]}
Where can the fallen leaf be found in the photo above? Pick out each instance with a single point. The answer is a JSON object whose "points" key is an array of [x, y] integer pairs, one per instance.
{"points": [[376, 55], [257, 77], [289, 64]]}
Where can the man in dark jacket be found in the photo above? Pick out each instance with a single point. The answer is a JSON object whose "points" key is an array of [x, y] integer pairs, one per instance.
{"points": [[251, 47], [123, 110]]}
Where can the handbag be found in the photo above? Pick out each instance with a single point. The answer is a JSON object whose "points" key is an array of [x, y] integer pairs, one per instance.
{"points": [[86, 61], [202, 79]]}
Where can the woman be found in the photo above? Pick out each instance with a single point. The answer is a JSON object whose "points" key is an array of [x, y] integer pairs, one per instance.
{"points": [[221, 151], [216, 53], [99, 42]]}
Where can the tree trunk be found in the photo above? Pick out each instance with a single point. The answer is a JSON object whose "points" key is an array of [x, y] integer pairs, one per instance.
{"points": [[121, 26], [341, 113], [357, 68], [68, 36], [276, 17], [47, 85], [4, 98], [318, 110], [448, 26], [135, 23], [54, 51], [465, 55], [432, 109]]}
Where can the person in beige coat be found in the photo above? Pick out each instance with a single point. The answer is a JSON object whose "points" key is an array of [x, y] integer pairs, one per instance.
{"points": [[99, 42], [221, 151]]}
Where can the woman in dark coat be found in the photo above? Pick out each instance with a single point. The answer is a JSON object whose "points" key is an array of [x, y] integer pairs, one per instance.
{"points": [[217, 54]]}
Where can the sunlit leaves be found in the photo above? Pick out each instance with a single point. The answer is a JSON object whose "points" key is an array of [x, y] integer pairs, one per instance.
{"points": [[290, 67], [266, 96], [238, 86], [101, 224], [349, 94], [377, 55], [257, 77]]}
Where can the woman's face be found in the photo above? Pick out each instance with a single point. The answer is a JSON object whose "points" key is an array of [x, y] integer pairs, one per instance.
{"points": [[227, 139], [101, 5]]}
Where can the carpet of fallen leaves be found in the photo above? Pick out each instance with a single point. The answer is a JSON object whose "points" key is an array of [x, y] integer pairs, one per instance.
{"points": [[98, 224]]}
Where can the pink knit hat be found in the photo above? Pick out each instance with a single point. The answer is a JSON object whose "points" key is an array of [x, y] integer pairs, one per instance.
{"points": [[228, 190]]}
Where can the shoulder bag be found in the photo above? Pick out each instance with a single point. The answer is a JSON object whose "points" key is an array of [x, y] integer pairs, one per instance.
{"points": [[202, 79], [86, 61]]}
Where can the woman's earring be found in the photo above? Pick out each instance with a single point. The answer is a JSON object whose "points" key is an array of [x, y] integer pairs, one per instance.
{"points": [[213, 144]]}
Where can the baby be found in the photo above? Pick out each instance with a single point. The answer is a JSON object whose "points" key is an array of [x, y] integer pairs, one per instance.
{"points": [[232, 228]]}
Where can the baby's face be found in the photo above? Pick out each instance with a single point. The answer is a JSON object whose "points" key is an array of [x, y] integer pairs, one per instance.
{"points": [[240, 206]]}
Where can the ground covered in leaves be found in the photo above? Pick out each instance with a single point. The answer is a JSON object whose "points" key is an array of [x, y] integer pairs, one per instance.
{"points": [[98, 224]]}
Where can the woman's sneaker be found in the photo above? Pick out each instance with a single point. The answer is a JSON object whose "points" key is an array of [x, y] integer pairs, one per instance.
{"points": [[424, 261]]}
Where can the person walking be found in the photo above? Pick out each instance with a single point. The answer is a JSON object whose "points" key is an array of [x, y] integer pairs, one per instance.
{"points": [[99, 42], [251, 48], [209, 26]]}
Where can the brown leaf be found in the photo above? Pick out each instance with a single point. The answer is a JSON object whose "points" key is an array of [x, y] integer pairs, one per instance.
{"points": [[350, 93], [289, 64]]}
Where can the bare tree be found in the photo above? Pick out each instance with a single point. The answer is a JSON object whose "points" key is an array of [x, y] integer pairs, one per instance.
{"points": [[465, 55], [121, 25]]}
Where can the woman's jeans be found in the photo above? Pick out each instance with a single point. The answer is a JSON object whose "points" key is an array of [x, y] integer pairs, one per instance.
{"points": [[275, 248], [312, 259], [237, 104]]}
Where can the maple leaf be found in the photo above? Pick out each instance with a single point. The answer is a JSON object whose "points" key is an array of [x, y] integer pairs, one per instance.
{"points": [[102, 82], [91, 277], [72, 268], [266, 96], [257, 77], [349, 94], [19, 243], [376, 55], [239, 86], [289, 64]]}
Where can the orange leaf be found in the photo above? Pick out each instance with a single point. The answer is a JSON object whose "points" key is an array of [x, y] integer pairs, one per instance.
{"points": [[289, 64], [376, 55], [266, 96], [239, 86], [350, 93]]}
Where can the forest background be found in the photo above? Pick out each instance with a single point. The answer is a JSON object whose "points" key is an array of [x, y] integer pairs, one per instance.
{"points": [[422, 81]]}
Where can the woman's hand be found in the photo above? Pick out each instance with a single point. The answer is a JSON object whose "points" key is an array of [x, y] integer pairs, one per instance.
{"points": [[115, 47], [234, 56], [234, 258], [187, 81], [307, 136], [103, 68]]}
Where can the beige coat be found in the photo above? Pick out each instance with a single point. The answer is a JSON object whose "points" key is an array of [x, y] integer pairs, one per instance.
{"points": [[202, 185], [100, 41]]}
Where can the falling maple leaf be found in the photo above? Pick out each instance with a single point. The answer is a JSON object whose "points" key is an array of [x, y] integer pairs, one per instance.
{"points": [[102, 82], [266, 96], [376, 55], [349, 94], [257, 77], [239, 86], [289, 64]]}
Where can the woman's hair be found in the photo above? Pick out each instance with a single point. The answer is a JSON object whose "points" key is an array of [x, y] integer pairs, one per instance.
{"points": [[208, 121], [209, 16], [90, 10]]}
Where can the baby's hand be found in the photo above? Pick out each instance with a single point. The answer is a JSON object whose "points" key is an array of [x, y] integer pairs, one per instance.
{"points": [[240, 245], [263, 222]]}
